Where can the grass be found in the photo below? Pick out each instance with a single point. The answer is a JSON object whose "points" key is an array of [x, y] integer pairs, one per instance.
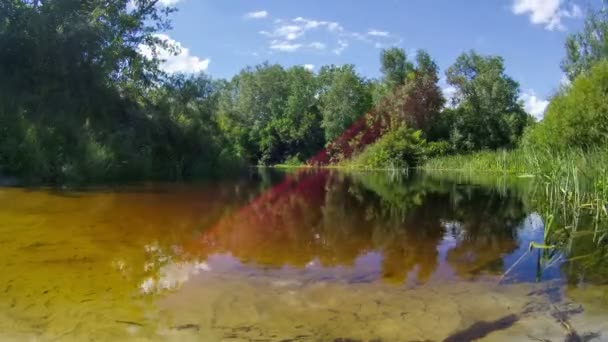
{"points": [[590, 165]]}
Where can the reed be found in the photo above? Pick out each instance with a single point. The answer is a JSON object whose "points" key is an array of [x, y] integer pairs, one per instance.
{"points": [[568, 189]]}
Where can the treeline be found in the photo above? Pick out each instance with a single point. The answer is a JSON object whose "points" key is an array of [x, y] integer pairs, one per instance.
{"points": [[78, 102], [572, 139]]}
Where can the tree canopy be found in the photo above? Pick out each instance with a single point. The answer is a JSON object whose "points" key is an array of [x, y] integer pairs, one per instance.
{"points": [[487, 113], [82, 97], [585, 48]]}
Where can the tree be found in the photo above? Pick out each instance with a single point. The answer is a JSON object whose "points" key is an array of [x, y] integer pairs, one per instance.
{"points": [[584, 49], [395, 66], [72, 82], [489, 114], [82, 97], [418, 100], [577, 117], [271, 114], [300, 128], [188, 138], [344, 97]]}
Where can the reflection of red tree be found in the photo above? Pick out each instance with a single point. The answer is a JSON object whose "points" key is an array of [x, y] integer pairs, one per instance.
{"points": [[267, 210], [288, 209], [271, 227]]}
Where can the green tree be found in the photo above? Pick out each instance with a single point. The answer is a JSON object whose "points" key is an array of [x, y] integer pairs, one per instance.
{"points": [[80, 101], [72, 82], [585, 48], [271, 114], [488, 112], [344, 97], [419, 99], [395, 67], [189, 141], [300, 128], [577, 117]]}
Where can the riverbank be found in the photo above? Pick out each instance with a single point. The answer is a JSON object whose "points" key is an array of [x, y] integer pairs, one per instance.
{"points": [[590, 165]]}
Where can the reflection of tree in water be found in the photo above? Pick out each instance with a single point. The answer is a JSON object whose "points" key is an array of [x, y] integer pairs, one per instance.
{"points": [[487, 229], [408, 220], [335, 217]]}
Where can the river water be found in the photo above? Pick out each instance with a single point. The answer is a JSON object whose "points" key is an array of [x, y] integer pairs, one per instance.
{"points": [[308, 256]]}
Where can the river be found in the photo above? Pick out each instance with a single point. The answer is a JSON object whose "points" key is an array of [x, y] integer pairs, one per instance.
{"points": [[305, 256]]}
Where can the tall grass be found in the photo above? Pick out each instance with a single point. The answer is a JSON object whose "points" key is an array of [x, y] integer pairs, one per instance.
{"points": [[551, 164], [568, 188]]}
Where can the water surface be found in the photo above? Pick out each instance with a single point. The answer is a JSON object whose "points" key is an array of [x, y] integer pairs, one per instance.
{"points": [[311, 256]]}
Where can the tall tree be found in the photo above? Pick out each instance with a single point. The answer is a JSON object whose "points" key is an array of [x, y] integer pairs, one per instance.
{"points": [[489, 114], [271, 114], [583, 49], [81, 101], [395, 67], [344, 97], [416, 102]]}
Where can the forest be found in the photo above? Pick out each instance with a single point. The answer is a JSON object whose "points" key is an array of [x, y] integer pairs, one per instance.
{"points": [[79, 102]]}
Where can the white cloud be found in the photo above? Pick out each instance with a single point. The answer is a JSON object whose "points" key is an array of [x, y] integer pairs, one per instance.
{"points": [[533, 104], [168, 3], [290, 35], [546, 12], [182, 62], [378, 33], [296, 28], [317, 45], [310, 67], [448, 93], [342, 45], [284, 46], [251, 15], [131, 5], [360, 36]]}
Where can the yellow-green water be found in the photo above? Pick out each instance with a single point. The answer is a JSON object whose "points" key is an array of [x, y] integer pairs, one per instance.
{"points": [[327, 257]]}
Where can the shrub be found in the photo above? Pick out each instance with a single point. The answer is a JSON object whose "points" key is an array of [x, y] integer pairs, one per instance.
{"points": [[577, 117], [399, 148]]}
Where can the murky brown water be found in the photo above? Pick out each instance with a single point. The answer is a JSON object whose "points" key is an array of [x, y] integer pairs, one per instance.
{"points": [[319, 257]]}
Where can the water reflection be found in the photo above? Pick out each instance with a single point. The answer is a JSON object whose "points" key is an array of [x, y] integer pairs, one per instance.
{"points": [[319, 245], [396, 229]]}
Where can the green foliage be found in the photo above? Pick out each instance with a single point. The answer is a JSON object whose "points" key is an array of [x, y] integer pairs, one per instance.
{"points": [[82, 98], [78, 102], [417, 100], [293, 161], [395, 67], [435, 149], [399, 148], [344, 97], [578, 116], [584, 49], [552, 163], [269, 113], [487, 113]]}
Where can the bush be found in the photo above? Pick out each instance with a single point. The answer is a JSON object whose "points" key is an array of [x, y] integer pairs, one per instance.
{"points": [[577, 117], [437, 149], [400, 148]]}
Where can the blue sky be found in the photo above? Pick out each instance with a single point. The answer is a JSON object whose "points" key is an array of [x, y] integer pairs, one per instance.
{"points": [[221, 37]]}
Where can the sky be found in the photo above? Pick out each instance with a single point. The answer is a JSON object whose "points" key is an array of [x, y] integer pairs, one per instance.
{"points": [[221, 37]]}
